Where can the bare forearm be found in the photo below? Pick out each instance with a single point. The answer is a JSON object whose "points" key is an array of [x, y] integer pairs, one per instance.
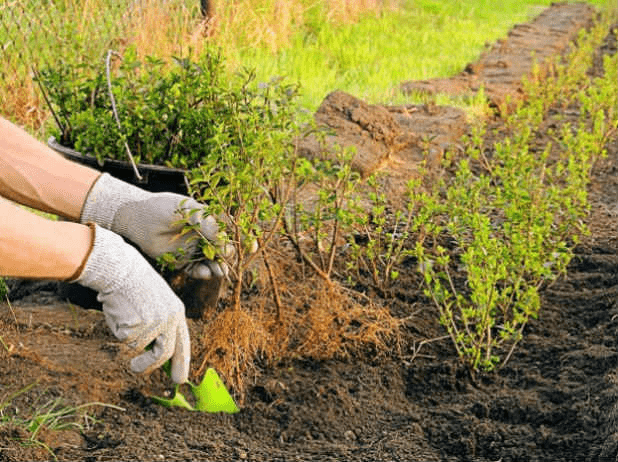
{"points": [[34, 175], [34, 247]]}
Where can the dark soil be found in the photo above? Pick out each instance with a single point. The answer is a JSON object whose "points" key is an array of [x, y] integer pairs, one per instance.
{"points": [[556, 400]]}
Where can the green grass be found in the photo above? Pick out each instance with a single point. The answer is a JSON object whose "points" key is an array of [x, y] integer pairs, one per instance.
{"points": [[50, 414], [369, 59]]}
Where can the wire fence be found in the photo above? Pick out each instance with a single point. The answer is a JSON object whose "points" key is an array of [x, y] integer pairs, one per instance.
{"points": [[35, 34]]}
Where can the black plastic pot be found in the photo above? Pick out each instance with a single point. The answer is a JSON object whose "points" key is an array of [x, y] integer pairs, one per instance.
{"points": [[155, 178], [197, 295]]}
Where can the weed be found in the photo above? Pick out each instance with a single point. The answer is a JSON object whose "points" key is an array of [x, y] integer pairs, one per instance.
{"points": [[4, 295], [48, 416]]}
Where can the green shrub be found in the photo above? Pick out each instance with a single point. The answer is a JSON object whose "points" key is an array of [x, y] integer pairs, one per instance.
{"points": [[500, 231], [250, 172], [510, 229], [168, 112], [236, 139]]}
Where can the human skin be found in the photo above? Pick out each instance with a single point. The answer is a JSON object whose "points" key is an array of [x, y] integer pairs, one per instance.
{"points": [[33, 247], [32, 174]]}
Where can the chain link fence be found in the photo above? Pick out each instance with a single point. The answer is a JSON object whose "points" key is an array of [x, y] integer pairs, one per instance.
{"points": [[35, 34]]}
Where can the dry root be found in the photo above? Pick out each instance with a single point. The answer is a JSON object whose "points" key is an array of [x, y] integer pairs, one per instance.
{"points": [[320, 320]]}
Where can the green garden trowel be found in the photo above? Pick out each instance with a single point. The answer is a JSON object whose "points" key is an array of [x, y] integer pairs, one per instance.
{"points": [[210, 395]]}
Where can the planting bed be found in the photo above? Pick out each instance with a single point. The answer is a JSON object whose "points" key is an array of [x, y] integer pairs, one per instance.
{"points": [[556, 399]]}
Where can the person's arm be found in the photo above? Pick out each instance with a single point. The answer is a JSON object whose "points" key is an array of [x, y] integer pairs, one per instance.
{"points": [[140, 308], [35, 247], [32, 174]]}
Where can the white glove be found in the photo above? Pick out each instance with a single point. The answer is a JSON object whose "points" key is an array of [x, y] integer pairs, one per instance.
{"points": [[139, 306], [149, 220]]}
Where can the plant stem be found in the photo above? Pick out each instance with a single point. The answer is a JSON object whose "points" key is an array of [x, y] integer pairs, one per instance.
{"points": [[113, 101], [273, 283]]}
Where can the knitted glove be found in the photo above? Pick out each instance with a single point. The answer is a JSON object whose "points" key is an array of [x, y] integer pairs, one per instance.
{"points": [[149, 220], [139, 306]]}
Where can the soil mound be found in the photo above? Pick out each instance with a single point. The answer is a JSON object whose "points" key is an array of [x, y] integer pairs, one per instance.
{"points": [[394, 140], [398, 140]]}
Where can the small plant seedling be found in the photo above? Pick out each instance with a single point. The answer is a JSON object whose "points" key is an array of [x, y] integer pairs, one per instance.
{"points": [[210, 395]]}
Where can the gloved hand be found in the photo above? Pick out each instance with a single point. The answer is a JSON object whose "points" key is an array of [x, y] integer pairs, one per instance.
{"points": [[149, 220], [138, 304]]}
